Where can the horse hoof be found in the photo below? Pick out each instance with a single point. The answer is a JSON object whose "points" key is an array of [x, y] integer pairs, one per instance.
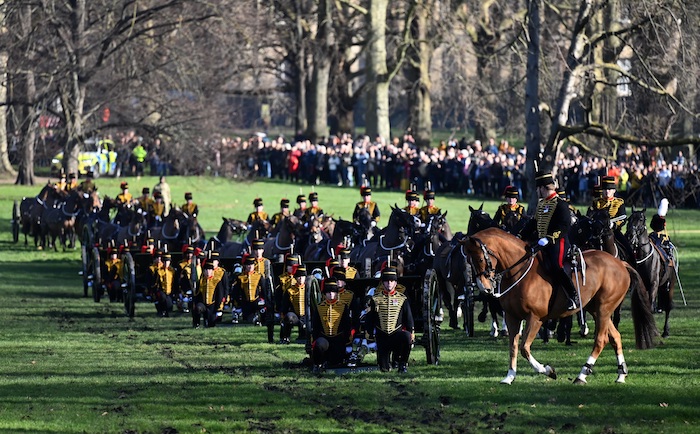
{"points": [[508, 380], [482, 317], [551, 373], [580, 381], [620, 379], [664, 334]]}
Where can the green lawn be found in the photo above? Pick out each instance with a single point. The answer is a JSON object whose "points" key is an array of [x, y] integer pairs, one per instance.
{"points": [[72, 365]]}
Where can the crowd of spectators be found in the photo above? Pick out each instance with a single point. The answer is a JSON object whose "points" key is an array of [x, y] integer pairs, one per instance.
{"points": [[464, 167]]}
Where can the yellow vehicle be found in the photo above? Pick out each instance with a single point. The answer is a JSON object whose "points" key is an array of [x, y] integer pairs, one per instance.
{"points": [[97, 155]]}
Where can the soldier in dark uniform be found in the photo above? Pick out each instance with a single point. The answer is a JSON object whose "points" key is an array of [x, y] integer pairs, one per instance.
{"points": [[659, 236], [391, 320], [284, 212], [186, 283], [616, 209], [429, 209], [208, 296], [553, 222], [124, 197], [291, 262], [575, 214], [165, 286], [189, 207], [366, 193], [258, 214], [300, 212], [511, 205], [314, 211], [262, 264], [293, 306], [413, 202], [331, 328], [88, 186]]}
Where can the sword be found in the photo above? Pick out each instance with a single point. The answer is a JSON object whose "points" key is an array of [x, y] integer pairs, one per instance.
{"points": [[574, 263]]}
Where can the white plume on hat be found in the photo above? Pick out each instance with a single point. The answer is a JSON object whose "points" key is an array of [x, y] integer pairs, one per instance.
{"points": [[663, 207]]}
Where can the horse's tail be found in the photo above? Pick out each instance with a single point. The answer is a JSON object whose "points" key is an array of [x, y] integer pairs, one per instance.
{"points": [[645, 331]]}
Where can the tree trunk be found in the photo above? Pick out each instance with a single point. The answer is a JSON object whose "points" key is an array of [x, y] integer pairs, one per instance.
{"points": [[377, 73], [5, 166], [25, 174], [318, 119], [533, 136], [420, 54], [567, 90]]}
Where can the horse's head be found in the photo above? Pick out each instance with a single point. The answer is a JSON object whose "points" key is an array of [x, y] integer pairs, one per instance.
{"points": [[403, 219], [478, 220], [637, 228], [483, 263]]}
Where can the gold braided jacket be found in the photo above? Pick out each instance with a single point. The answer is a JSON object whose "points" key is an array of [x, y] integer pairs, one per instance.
{"points": [[207, 287], [114, 267], [388, 308], [189, 208], [297, 297], [613, 205], [346, 297], [544, 213], [350, 272], [412, 210], [249, 285], [331, 315], [165, 277]]}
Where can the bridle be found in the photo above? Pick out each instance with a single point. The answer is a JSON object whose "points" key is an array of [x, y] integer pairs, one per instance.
{"points": [[495, 277]]}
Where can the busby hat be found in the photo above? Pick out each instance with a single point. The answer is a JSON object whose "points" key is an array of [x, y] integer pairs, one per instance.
{"points": [[330, 285], [249, 260], [208, 266], [543, 179], [339, 273], [313, 196], [90, 174], [300, 271], [658, 221], [124, 185], [428, 194], [561, 193], [301, 198], [158, 195], [608, 182], [389, 273], [159, 254], [188, 196], [291, 260], [71, 175], [332, 262], [145, 190], [344, 253], [258, 202], [284, 203], [167, 257], [511, 191], [365, 191], [412, 195], [258, 244], [214, 254], [189, 249]]}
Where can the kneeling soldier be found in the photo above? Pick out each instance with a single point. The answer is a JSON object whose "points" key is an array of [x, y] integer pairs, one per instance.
{"points": [[293, 306], [331, 328], [391, 320]]}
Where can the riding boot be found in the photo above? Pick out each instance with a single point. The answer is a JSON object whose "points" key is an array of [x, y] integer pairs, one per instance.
{"points": [[570, 289]]}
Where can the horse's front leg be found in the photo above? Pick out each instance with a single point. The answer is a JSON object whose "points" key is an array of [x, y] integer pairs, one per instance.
{"points": [[605, 331], [514, 338], [532, 328]]}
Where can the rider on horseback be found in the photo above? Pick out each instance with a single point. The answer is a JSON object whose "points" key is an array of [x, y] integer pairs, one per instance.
{"points": [[659, 235], [258, 214], [189, 207], [413, 201], [511, 206], [124, 197], [300, 212], [429, 209], [366, 193], [284, 212], [616, 208], [553, 225], [315, 211]]}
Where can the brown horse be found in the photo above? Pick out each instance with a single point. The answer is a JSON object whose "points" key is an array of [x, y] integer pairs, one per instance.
{"points": [[505, 266]]}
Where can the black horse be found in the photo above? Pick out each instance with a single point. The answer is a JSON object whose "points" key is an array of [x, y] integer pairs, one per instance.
{"points": [[322, 245], [656, 268]]}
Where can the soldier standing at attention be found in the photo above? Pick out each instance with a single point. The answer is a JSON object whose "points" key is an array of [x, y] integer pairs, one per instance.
{"points": [[366, 193], [164, 188], [284, 212], [190, 208], [391, 321], [124, 197], [157, 212], [165, 284], [344, 261], [112, 274], [331, 328], [258, 214]]}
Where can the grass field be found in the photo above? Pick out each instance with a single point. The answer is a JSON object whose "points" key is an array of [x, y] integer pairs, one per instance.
{"points": [[71, 365]]}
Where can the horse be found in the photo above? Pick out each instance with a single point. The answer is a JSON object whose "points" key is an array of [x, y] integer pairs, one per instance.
{"points": [[59, 221], [44, 201], [282, 238], [453, 275], [432, 235], [332, 233], [657, 271], [233, 249], [500, 260], [390, 244], [135, 232], [25, 217]]}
